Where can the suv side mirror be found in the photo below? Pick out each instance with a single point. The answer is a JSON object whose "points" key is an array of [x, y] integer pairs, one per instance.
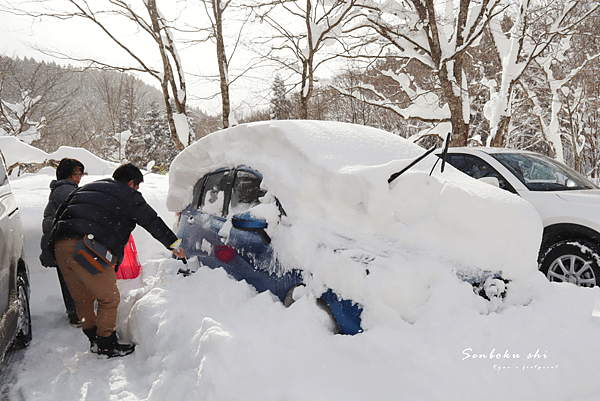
{"points": [[490, 180]]}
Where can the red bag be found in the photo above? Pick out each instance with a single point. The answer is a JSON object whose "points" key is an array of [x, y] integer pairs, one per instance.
{"points": [[131, 266]]}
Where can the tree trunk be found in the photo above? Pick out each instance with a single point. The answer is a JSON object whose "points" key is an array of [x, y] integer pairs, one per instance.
{"points": [[499, 139], [460, 128], [168, 79], [306, 89], [172, 127], [222, 61]]}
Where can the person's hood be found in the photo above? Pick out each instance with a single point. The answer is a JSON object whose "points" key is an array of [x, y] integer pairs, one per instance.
{"points": [[57, 183]]}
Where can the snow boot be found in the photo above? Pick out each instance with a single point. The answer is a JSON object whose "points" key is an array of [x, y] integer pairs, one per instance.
{"points": [[91, 334], [110, 347]]}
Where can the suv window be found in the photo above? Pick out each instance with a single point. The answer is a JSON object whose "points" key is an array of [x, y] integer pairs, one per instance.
{"points": [[541, 173], [246, 191], [477, 168], [212, 197]]}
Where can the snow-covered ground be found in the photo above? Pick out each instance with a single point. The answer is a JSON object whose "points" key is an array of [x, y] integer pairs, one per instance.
{"points": [[207, 337]]}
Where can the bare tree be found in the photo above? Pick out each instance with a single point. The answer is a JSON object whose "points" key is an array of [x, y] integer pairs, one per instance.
{"points": [[527, 42], [558, 91], [35, 97], [216, 11], [219, 7], [301, 31], [419, 31], [122, 99], [155, 26]]}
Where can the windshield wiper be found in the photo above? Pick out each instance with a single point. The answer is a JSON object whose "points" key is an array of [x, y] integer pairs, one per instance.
{"points": [[424, 155]]}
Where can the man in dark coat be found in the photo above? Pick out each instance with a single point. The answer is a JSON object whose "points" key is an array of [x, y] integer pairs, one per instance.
{"points": [[109, 209], [68, 176]]}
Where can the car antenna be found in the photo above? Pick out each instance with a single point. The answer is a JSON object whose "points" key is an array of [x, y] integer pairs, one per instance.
{"points": [[444, 154]]}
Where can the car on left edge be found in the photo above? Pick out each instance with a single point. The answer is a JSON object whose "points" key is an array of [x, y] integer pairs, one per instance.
{"points": [[15, 316]]}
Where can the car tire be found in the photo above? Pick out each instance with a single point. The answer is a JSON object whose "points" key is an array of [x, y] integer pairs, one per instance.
{"points": [[572, 261], [23, 337], [330, 323], [289, 297]]}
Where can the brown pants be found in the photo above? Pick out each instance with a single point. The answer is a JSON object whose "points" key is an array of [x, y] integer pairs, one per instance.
{"points": [[86, 288]]}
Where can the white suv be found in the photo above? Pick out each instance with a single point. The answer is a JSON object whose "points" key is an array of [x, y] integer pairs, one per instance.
{"points": [[568, 203], [15, 317]]}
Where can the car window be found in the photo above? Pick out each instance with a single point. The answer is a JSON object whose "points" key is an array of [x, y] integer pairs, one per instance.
{"points": [[246, 191], [541, 173], [478, 168], [213, 193]]}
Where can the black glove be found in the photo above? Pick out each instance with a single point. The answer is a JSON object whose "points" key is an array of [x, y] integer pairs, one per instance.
{"points": [[48, 259]]}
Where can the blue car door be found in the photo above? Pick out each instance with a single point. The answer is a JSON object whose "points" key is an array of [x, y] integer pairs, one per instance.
{"points": [[261, 270], [244, 254], [201, 222], [241, 245]]}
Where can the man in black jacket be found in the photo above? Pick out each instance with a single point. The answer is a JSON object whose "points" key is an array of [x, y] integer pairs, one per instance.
{"points": [[109, 209]]}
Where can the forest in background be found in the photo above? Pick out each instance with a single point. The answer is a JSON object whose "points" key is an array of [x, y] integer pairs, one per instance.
{"points": [[116, 116], [515, 74]]}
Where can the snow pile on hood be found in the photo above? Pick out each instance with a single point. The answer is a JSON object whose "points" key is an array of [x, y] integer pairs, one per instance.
{"points": [[331, 179]]}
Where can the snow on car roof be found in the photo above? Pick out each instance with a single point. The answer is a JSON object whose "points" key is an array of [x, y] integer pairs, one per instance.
{"points": [[294, 145], [331, 179]]}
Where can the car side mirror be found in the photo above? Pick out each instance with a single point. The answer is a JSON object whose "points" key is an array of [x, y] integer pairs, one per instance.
{"points": [[247, 222], [490, 180]]}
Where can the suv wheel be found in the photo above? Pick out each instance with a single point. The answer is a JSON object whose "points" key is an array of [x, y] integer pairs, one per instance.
{"points": [[23, 337], [573, 262]]}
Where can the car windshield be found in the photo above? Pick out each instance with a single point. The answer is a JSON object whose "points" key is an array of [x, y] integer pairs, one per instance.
{"points": [[541, 173]]}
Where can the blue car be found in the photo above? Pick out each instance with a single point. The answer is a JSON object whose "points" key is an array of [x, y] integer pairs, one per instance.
{"points": [[248, 254], [327, 210]]}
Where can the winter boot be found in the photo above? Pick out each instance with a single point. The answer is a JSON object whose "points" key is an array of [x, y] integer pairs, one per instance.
{"points": [[91, 334], [110, 347]]}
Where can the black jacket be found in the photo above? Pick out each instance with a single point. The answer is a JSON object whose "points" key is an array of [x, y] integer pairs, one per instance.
{"points": [[59, 192], [109, 210]]}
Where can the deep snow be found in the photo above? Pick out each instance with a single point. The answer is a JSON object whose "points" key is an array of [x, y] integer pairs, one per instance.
{"points": [[207, 337]]}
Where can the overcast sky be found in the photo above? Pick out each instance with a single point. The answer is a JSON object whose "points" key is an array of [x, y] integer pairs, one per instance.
{"points": [[20, 36]]}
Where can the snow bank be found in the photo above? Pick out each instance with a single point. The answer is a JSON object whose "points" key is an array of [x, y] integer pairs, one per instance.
{"points": [[16, 151], [209, 337]]}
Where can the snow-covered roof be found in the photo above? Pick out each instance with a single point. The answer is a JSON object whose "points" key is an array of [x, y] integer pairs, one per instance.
{"points": [[286, 149]]}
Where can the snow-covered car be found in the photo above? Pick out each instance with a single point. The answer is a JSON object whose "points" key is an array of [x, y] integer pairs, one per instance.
{"points": [[15, 319], [317, 209], [567, 202]]}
